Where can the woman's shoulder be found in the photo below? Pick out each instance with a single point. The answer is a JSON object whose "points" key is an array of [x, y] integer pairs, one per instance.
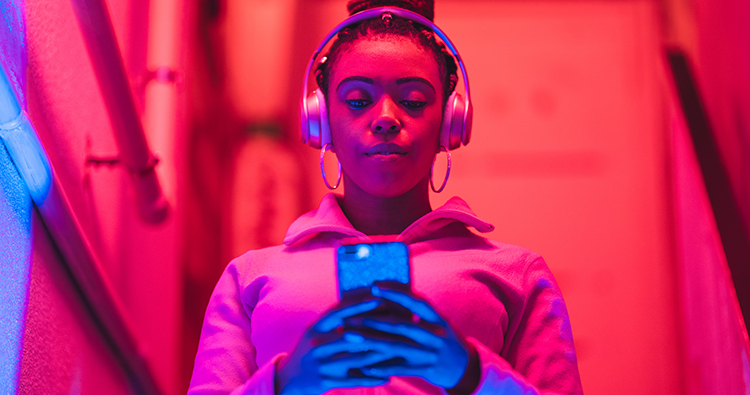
{"points": [[513, 252], [472, 245], [528, 267], [280, 260], [254, 263]]}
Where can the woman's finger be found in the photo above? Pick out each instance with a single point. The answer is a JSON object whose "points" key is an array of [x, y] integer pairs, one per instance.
{"points": [[398, 370], [416, 306], [358, 343], [340, 366], [335, 318], [351, 382], [419, 335], [414, 354], [427, 372], [328, 350], [349, 343]]}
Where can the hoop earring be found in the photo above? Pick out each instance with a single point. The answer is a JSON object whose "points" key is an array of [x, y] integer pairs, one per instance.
{"points": [[447, 172], [323, 169]]}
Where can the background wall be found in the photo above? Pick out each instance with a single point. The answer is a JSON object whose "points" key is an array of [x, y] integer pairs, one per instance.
{"points": [[569, 159], [65, 349]]}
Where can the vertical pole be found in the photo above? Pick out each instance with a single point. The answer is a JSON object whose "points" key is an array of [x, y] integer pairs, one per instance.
{"points": [[104, 53]]}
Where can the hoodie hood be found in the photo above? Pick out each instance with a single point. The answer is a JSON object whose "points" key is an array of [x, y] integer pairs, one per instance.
{"points": [[328, 217]]}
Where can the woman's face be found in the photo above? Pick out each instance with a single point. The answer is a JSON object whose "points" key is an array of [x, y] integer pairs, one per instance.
{"points": [[385, 110]]}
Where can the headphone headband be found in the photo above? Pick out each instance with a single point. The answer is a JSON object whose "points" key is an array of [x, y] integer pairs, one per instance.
{"points": [[405, 14]]}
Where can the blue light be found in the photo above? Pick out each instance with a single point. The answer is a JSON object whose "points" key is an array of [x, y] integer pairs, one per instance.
{"points": [[15, 199], [23, 145], [27, 153], [363, 251], [15, 267]]}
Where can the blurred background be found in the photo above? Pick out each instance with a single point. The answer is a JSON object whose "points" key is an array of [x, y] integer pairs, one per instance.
{"points": [[582, 151]]}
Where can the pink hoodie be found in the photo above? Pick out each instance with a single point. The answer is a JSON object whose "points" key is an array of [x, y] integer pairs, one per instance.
{"points": [[501, 297]]}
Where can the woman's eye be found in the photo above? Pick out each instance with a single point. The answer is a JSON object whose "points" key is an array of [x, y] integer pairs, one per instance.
{"points": [[413, 104], [356, 104]]}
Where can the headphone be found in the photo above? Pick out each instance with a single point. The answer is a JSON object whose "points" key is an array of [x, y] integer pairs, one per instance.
{"points": [[457, 117]]}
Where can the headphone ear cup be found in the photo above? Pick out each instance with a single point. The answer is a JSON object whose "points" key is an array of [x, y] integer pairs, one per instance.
{"points": [[306, 106], [325, 129], [466, 133], [445, 128], [314, 129], [452, 130]]}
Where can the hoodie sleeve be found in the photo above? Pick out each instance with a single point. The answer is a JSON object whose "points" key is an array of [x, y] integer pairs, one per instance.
{"points": [[225, 362], [541, 358]]}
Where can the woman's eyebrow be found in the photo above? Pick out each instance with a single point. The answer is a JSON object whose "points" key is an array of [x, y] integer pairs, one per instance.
{"points": [[355, 78], [404, 80]]}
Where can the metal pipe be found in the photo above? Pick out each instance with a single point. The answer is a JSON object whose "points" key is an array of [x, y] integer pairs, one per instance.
{"points": [[106, 60]]}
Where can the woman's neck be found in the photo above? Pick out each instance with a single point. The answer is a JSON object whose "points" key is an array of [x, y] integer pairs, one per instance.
{"points": [[373, 215]]}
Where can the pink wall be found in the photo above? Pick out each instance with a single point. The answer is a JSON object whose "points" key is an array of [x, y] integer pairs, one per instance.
{"points": [[722, 61], [140, 261], [714, 35], [715, 348], [63, 349], [569, 159]]}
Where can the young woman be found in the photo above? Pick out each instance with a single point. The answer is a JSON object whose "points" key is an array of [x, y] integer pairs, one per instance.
{"points": [[488, 317]]}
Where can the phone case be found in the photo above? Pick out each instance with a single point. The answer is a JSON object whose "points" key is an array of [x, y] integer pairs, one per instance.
{"points": [[361, 265]]}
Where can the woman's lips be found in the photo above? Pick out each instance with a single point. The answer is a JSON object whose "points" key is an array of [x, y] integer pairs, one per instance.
{"points": [[386, 151]]}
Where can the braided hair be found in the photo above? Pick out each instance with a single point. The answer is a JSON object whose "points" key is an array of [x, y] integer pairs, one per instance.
{"points": [[389, 28]]}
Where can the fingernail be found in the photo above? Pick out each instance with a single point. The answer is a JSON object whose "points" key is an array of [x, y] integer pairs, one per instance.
{"points": [[375, 290], [354, 338]]}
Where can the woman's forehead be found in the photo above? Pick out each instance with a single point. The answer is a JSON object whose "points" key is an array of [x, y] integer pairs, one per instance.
{"points": [[386, 57]]}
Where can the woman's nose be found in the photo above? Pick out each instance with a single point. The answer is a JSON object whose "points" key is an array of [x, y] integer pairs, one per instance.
{"points": [[386, 121]]}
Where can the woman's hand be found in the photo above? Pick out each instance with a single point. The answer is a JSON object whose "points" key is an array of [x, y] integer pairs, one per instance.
{"points": [[323, 358], [425, 346]]}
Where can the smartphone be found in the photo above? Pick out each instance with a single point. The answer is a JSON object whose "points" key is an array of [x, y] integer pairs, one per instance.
{"points": [[361, 265]]}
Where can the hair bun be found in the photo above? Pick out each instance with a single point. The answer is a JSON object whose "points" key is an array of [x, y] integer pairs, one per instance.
{"points": [[426, 8]]}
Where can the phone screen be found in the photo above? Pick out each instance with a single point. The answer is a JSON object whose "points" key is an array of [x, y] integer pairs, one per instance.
{"points": [[361, 265]]}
